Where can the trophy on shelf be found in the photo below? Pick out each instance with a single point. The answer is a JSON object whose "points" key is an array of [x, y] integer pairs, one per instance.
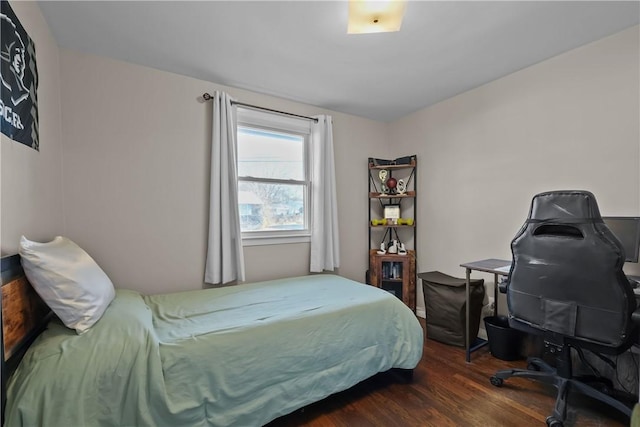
{"points": [[383, 180], [401, 186]]}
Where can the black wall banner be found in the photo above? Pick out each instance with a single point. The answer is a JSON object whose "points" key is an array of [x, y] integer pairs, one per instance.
{"points": [[19, 102]]}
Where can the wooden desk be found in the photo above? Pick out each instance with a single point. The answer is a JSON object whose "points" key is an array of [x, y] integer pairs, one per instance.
{"points": [[499, 267]]}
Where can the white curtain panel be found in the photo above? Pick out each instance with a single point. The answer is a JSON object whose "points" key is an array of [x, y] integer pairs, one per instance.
{"points": [[325, 251], [225, 259]]}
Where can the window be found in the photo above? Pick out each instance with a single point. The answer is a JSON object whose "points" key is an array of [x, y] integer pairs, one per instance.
{"points": [[273, 177]]}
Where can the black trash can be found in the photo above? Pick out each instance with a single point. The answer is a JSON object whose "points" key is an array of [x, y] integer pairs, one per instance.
{"points": [[505, 343]]}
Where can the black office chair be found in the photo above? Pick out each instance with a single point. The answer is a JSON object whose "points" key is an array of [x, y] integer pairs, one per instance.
{"points": [[566, 284]]}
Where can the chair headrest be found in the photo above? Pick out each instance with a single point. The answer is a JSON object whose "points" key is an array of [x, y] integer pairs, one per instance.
{"points": [[567, 204]]}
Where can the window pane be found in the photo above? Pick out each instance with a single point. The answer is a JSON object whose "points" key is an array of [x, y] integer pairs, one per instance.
{"points": [[271, 207], [268, 154]]}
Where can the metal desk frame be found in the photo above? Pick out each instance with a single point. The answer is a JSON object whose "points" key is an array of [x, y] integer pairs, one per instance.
{"points": [[488, 266]]}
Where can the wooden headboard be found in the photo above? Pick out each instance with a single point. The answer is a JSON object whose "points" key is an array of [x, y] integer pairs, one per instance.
{"points": [[24, 317]]}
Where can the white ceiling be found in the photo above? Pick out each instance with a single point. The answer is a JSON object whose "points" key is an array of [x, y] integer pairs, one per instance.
{"points": [[300, 50]]}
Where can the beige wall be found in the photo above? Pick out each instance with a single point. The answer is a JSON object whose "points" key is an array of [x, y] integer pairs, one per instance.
{"points": [[136, 160], [571, 122], [31, 181]]}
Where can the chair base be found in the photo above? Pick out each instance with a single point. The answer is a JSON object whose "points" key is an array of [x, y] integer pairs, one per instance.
{"points": [[541, 371]]}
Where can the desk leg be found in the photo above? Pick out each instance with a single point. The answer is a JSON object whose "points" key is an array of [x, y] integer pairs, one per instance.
{"points": [[466, 335], [495, 294]]}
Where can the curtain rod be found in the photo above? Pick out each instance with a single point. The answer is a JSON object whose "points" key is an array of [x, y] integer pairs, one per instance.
{"points": [[208, 97]]}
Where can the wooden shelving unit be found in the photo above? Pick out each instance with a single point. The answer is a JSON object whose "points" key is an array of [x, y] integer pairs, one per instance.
{"points": [[393, 272], [396, 274]]}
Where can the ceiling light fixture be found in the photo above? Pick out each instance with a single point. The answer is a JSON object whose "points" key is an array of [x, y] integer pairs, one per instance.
{"points": [[375, 16]]}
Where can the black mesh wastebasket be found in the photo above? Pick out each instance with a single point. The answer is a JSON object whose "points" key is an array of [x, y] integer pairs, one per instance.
{"points": [[445, 304]]}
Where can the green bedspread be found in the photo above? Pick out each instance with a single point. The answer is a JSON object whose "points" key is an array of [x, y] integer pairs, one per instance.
{"points": [[241, 355]]}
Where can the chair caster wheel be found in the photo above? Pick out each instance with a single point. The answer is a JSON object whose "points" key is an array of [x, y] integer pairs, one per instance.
{"points": [[553, 422], [496, 381]]}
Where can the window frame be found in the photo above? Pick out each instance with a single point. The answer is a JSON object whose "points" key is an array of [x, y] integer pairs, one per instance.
{"points": [[273, 122]]}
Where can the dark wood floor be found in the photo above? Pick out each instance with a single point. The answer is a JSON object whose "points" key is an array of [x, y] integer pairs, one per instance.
{"points": [[447, 391]]}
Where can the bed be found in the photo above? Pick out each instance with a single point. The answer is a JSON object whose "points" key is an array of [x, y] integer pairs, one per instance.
{"points": [[241, 355]]}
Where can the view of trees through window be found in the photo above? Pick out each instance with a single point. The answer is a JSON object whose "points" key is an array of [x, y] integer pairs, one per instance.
{"points": [[272, 180]]}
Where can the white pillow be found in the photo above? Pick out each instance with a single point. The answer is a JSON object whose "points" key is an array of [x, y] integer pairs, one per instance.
{"points": [[68, 280]]}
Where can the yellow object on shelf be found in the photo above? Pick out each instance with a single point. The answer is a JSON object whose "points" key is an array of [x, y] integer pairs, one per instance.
{"points": [[382, 221], [405, 221]]}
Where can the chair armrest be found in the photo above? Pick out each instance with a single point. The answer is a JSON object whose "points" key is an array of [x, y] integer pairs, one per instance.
{"points": [[502, 287]]}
